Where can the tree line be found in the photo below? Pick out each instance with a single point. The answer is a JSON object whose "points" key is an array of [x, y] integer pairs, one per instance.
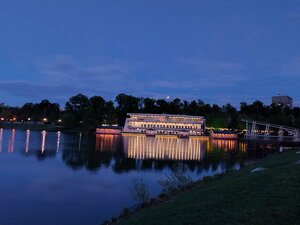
{"points": [[80, 111]]}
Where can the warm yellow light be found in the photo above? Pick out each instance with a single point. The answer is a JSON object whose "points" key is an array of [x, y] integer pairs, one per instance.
{"points": [[29, 119], [59, 120], [14, 119], [45, 119], [2, 119]]}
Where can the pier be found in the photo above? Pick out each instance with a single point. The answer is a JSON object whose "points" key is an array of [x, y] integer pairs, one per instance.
{"points": [[267, 130]]}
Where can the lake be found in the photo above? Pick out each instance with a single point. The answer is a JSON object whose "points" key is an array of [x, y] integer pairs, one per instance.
{"points": [[80, 179]]}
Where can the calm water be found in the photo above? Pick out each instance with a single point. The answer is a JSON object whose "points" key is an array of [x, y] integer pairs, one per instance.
{"points": [[62, 178]]}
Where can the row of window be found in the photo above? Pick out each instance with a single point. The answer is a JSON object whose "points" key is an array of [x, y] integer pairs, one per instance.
{"points": [[168, 126], [169, 132]]}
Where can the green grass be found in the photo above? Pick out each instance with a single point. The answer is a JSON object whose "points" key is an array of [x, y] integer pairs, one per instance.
{"points": [[268, 197]]}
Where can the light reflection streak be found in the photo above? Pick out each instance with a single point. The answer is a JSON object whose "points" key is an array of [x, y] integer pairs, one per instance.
{"points": [[79, 143], [27, 141], [11, 142], [107, 142], [43, 140], [164, 148], [1, 137], [58, 141], [227, 145]]}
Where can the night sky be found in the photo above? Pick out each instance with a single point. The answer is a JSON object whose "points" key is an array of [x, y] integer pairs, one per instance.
{"points": [[218, 51]]}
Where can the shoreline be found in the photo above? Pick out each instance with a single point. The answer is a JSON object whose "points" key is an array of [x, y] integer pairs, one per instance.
{"points": [[268, 196], [44, 127]]}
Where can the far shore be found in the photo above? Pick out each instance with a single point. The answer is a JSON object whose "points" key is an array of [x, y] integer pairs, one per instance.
{"points": [[42, 127]]}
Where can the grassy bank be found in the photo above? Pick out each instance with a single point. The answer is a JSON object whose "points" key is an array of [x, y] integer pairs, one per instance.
{"points": [[271, 196]]}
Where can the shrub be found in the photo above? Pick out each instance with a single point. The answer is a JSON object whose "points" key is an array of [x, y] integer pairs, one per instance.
{"points": [[139, 191], [174, 181]]}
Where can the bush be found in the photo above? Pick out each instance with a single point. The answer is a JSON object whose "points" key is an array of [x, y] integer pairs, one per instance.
{"points": [[174, 181], [139, 191]]}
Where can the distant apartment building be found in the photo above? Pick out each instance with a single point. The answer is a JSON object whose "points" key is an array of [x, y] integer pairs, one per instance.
{"points": [[153, 124], [282, 100]]}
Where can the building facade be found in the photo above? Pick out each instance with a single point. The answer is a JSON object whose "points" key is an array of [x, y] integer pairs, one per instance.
{"points": [[154, 124], [282, 100]]}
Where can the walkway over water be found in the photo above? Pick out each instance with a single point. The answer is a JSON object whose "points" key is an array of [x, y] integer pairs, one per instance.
{"points": [[252, 125]]}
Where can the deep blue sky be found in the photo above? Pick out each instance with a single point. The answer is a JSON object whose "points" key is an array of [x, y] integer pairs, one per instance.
{"points": [[217, 51]]}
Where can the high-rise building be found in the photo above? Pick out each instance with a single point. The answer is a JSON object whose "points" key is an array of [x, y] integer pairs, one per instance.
{"points": [[282, 100]]}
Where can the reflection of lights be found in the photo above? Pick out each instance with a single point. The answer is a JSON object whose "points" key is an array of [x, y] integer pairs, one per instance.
{"points": [[107, 142], [58, 141], [79, 143], [227, 144], [164, 148], [11, 142], [244, 147], [1, 135], [43, 141], [27, 141]]}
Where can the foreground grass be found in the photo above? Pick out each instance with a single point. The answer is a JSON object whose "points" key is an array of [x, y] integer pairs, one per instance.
{"points": [[267, 197]]}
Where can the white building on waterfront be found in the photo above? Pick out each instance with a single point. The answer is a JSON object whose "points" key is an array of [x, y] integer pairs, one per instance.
{"points": [[153, 124]]}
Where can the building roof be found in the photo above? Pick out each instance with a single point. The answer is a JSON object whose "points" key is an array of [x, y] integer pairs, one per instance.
{"points": [[223, 132], [164, 115], [110, 127]]}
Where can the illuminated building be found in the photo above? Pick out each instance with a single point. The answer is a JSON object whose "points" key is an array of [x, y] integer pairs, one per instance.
{"points": [[108, 130], [282, 100], [223, 134], [153, 124]]}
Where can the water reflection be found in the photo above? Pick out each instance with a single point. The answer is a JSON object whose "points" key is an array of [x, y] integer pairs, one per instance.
{"points": [[227, 145], [163, 148], [27, 141], [1, 136], [124, 154], [107, 142], [11, 142], [107, 163], [79, 143], [43, 141], [58, 141]]}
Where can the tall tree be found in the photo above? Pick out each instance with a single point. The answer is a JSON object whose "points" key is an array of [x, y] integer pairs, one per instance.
{"points": [[77, 105], [126, 104]]}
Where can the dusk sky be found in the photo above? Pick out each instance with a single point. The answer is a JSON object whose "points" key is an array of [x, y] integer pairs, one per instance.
{"points": [[217, 51]]}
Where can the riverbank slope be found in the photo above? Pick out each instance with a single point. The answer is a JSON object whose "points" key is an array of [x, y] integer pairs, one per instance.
{"points": [[271, 196]]}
